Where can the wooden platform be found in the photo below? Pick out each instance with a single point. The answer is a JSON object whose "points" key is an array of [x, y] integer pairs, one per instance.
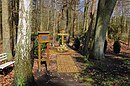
{"points": [[65, 63]]}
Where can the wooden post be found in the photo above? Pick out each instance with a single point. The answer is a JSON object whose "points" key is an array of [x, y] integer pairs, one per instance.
{"points": [[43, 38], [48, 61], [62, 39], [39, 56]]}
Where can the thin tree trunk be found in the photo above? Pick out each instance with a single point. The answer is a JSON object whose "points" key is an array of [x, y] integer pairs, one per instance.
{"points": [[6, 29], [129, 39], [70, 18], [0, 32], [41, 10], [78, 23], [67, 17], [0, 25], [54, 24], [34, 17], [85, 22], [0, 20], [58, 23], [12, 25], [48, 19], [16, 19], [74, 19], [38, 14], [88, 34]]}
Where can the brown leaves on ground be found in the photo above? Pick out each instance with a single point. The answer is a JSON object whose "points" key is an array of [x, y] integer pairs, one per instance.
{"points": [[99, 72], [124, 47]]}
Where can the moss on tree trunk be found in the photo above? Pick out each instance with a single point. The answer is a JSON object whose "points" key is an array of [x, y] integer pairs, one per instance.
{"points": [[23, 66], [104, 12]]}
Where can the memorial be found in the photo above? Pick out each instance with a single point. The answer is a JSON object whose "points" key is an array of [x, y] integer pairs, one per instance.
{"points": [[43, 37]]}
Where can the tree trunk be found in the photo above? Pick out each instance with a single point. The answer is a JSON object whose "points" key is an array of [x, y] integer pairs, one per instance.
{"points": [[74, 19], [6, 29], [67, 17], [38, 14], [34, 17], [42, 13], [23, 67], [70, 18], [16, 19], [88, 34], [0, 20], [58, 22], [85, 22], [0, 25], [54, 24], [104, 12], [12, 24], [129, 39], [48, 19]]}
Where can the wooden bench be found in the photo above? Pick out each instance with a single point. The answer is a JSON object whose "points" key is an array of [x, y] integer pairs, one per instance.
{"points": [[4, 63]]}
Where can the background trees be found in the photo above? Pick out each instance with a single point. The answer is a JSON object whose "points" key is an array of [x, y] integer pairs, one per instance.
{"points": [[89, 19], [71, 15], [74, 16], [6, 29]]}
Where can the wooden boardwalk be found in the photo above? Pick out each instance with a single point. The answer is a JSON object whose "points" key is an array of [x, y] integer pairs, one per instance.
{"points": [[65, 64]]}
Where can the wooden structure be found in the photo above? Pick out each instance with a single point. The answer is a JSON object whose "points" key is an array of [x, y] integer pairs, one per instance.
{"points": [[66, 64], [5, 62], [63, 34], [43, 37]]}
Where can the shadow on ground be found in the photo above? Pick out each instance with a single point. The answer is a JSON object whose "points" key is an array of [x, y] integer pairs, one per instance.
{"points": [[45, 80], [123, 55], [59, 79], [106, 72], [6, 70]]}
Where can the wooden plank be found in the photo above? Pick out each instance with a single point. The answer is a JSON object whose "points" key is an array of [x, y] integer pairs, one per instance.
{"points": [[65, 63], [3, 59], [63, 34], [5, 56], [48, 60], [67, 68], [6, 64], [39, 56]]}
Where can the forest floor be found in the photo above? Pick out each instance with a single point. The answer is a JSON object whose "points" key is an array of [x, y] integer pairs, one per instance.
{"points": [[114, 70]]}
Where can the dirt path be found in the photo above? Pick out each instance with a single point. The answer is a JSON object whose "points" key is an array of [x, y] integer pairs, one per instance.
{"points": [[64, 73], [53, 78], [66, 64]]}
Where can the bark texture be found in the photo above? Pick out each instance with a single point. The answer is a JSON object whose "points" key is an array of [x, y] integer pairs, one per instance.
{"points": [[23, 66], [6, 29], [104, 12]]}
